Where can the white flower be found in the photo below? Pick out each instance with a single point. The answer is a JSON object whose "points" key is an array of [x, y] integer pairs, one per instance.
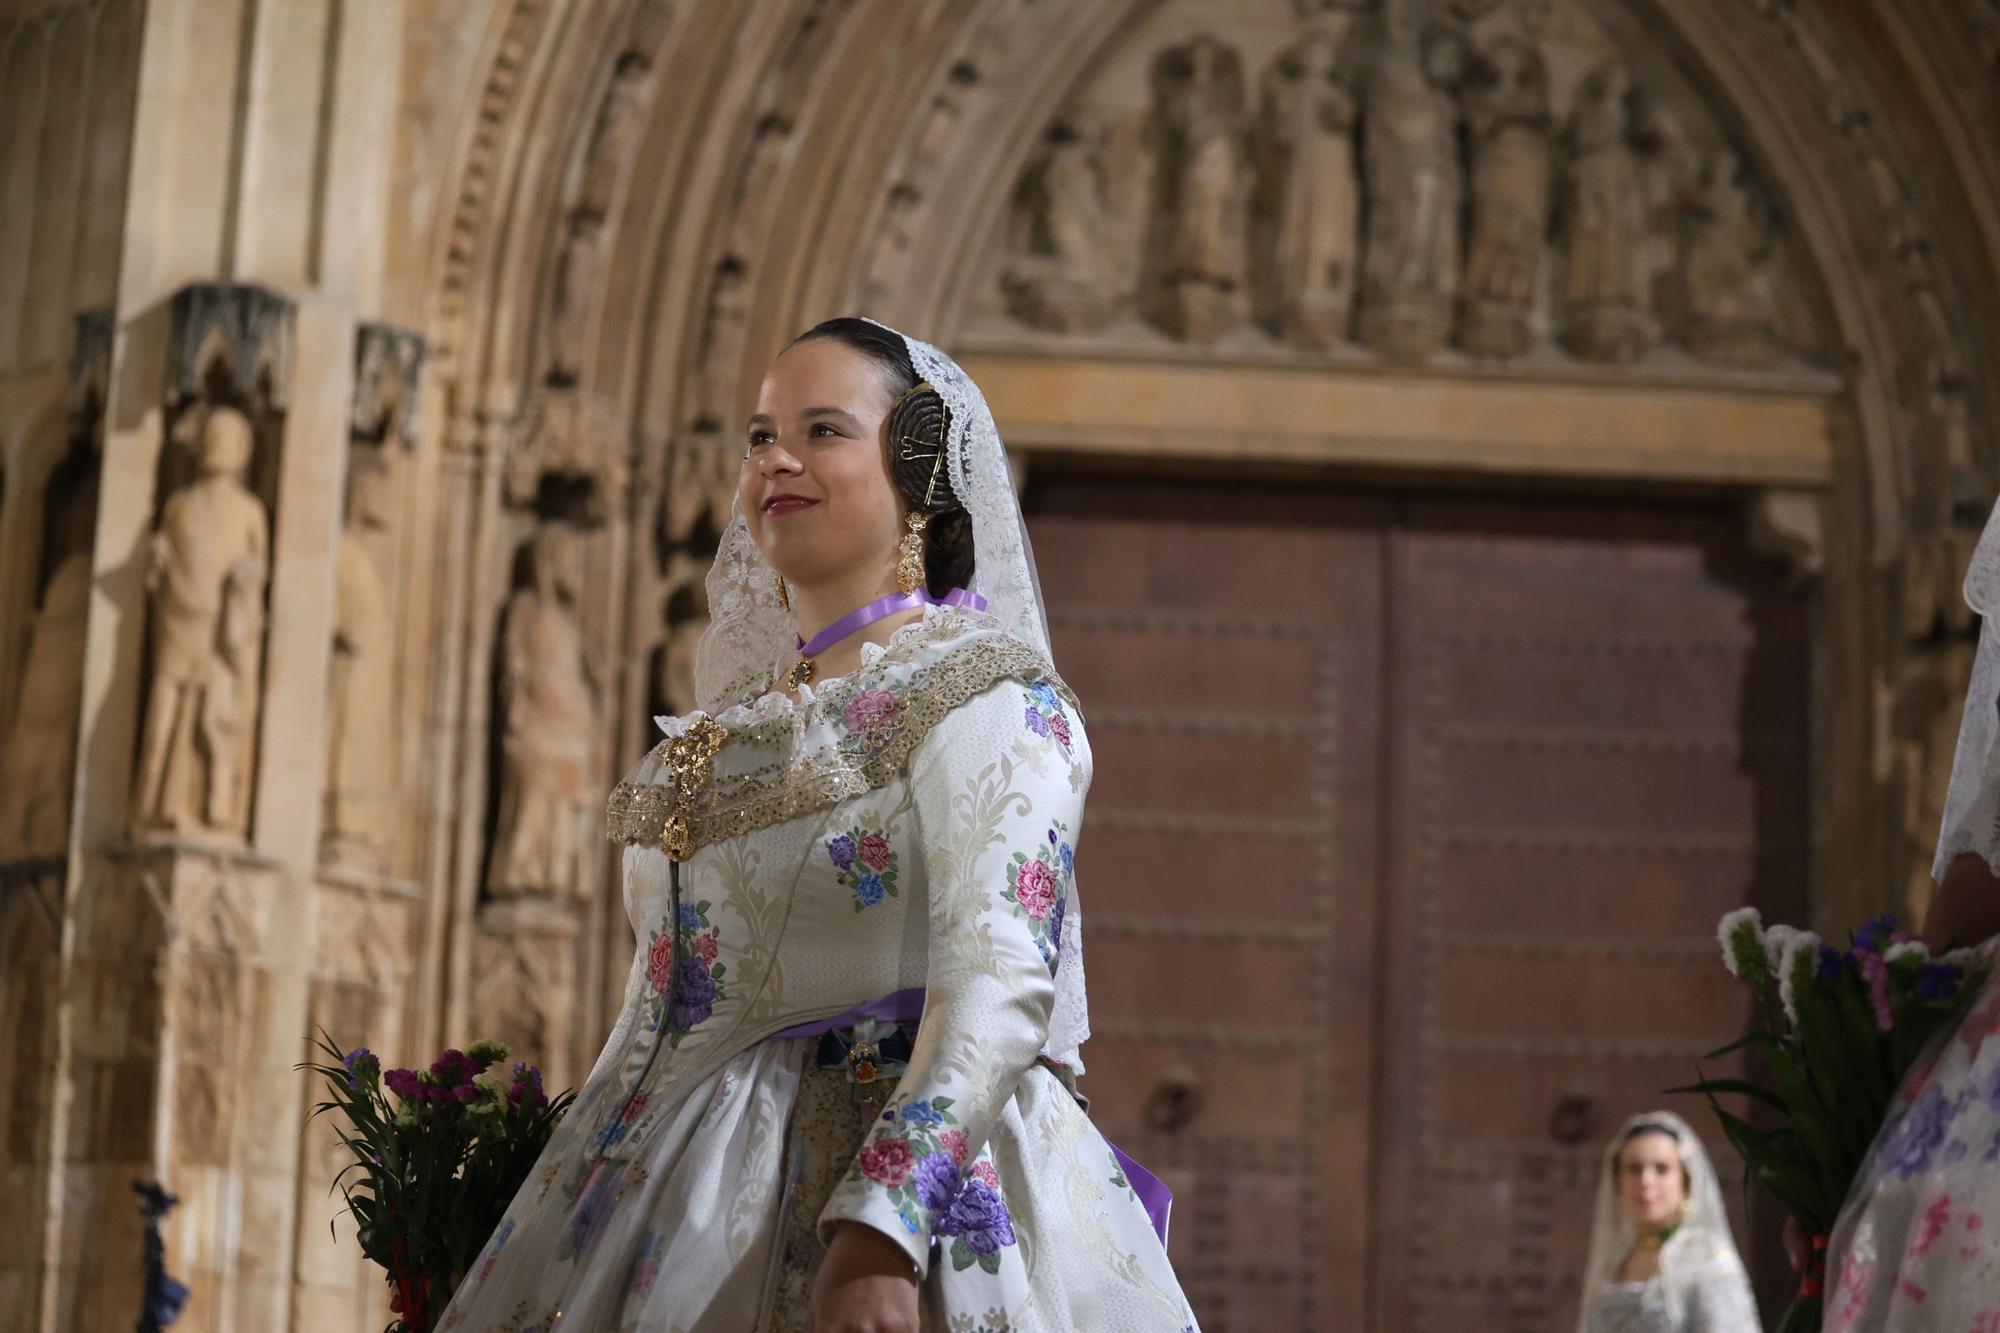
{"points": [[1727, 931], [1906, 949], [1795, 967]]}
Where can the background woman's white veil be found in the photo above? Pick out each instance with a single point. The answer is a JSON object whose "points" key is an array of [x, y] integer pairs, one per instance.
{"points": [[1701, 1248], [750, 634]]}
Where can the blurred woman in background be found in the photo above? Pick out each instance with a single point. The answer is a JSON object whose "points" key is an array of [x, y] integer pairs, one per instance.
{"points": [[1661, 1256]]}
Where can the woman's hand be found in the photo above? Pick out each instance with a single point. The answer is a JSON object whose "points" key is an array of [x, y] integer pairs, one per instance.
{"points": [[865, 1285]]}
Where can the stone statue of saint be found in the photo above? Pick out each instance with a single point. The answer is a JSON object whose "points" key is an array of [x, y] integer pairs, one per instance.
{"points": [[1725, 276], [1606, 308], [1311, 204], [1067, 281], [38, 767], [361, 793], [1410, 163], [206, 574], [1507, 117], [1199, 94], [548, 712]]}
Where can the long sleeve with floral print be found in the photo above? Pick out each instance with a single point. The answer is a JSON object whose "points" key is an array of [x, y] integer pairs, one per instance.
{"points": [[998, 790]]}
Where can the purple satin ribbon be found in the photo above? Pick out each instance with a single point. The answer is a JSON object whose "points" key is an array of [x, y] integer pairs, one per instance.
{"points": [[907, 1006], [882, 608]]}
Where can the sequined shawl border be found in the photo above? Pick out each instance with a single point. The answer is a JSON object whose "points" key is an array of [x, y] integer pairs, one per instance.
{"points": [[860, 762]]}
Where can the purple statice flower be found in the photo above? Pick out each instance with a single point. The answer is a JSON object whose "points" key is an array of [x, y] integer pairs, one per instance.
{"points": [[1036, 722], [979, 1215], [1876, 935], [936, 1179], [1912, 1137], [869, 888], [453, 1067], [1831, 962], [466, 1092], [1876, 973], [842, 850], [527, 1087], [693, 993], [1938, 981], [361, 1066], [404, 1083]]}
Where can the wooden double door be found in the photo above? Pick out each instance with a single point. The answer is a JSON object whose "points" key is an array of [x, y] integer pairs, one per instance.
{"points": [[1412, 822]]}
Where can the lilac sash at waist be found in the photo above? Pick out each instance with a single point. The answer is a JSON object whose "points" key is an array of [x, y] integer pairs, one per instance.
{"points": [[907, 1006]]}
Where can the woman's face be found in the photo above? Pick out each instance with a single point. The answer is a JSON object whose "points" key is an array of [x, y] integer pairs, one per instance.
{"points": [[815, 485], [1652, 1183]]}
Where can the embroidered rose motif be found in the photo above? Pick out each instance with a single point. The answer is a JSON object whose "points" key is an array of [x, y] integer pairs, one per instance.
{"points": [[867, 865], [872, 710], [888, 1162], [1044, 715], [659, 968], [937, 1182], [1059, 726], [706, 947], [1035, 887], [694, 993], [982, 1170], [979, 1218], [953, 1142]]}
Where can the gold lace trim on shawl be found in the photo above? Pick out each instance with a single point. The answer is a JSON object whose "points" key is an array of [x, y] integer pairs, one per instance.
{"points": [[859, 762]]}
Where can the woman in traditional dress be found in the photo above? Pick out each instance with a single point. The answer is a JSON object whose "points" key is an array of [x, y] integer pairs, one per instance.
{"points": [[841, 1094], [1661, 1256], [1917, 1246]]}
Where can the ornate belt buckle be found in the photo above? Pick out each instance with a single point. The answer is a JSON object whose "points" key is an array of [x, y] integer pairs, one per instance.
{"points": [[862, 1062]]}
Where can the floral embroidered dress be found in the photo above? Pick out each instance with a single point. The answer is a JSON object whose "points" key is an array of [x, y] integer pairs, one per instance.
{"points": [[902, 836]]}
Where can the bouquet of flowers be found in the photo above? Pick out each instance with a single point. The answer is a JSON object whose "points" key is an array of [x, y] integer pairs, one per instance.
{"points": [[438, 1165], [1838, 1028]]}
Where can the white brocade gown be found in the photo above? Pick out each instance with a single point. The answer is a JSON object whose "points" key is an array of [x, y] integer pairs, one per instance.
{"points": [[909, 826]]}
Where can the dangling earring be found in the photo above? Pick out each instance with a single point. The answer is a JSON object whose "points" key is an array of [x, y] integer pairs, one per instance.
{"points": [[784, 598], [910, 554]]}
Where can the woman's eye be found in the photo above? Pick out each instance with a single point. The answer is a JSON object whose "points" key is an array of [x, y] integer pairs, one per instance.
{"points": [[818, 427]]}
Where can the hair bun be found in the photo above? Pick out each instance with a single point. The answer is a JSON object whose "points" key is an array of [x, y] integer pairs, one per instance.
{"points": [[919, 426]]}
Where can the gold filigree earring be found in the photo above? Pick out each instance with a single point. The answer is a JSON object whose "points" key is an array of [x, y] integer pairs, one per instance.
{"points": [[784, 598], [910, 553]]}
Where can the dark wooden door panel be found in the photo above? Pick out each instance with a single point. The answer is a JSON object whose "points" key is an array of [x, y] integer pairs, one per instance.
{"points": [[1225, 643], [1411, 820]]}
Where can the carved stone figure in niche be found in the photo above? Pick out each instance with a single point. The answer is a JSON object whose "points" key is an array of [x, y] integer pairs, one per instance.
{"points": [[1410, 162], [548, 711], [1311, 207], [569, 303], [1606, 314], [1725, 273], [1198, 105], [721, 355], [1067, 280], [39, 766], [613, 137], [361, 794], [1507, 117], [206, 574]]}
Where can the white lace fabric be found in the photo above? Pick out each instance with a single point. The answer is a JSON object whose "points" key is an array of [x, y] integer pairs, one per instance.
{"points": [[1972, 803], [750, 634]]}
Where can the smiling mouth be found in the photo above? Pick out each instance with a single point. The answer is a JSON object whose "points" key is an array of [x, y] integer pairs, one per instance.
{"points": [[787, 504]]}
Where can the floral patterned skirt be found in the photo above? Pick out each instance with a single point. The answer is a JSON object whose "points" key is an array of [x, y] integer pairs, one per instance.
{"points": [[698, 1213], [1917, 1247]]}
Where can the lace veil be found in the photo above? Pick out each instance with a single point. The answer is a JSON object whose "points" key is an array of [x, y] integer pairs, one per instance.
{"points": [[1972, 803], [750, 634], [1700, 1249]]}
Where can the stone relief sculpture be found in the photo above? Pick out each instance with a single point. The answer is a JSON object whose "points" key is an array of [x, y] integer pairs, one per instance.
{"points": [[1410, 164], [1311, 205], [361, 791], [548, 718], [1606, 314], [206, 574], [38, 767], [1198, 101], [1506, 104], [1067, 279], [1725, 276]]}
